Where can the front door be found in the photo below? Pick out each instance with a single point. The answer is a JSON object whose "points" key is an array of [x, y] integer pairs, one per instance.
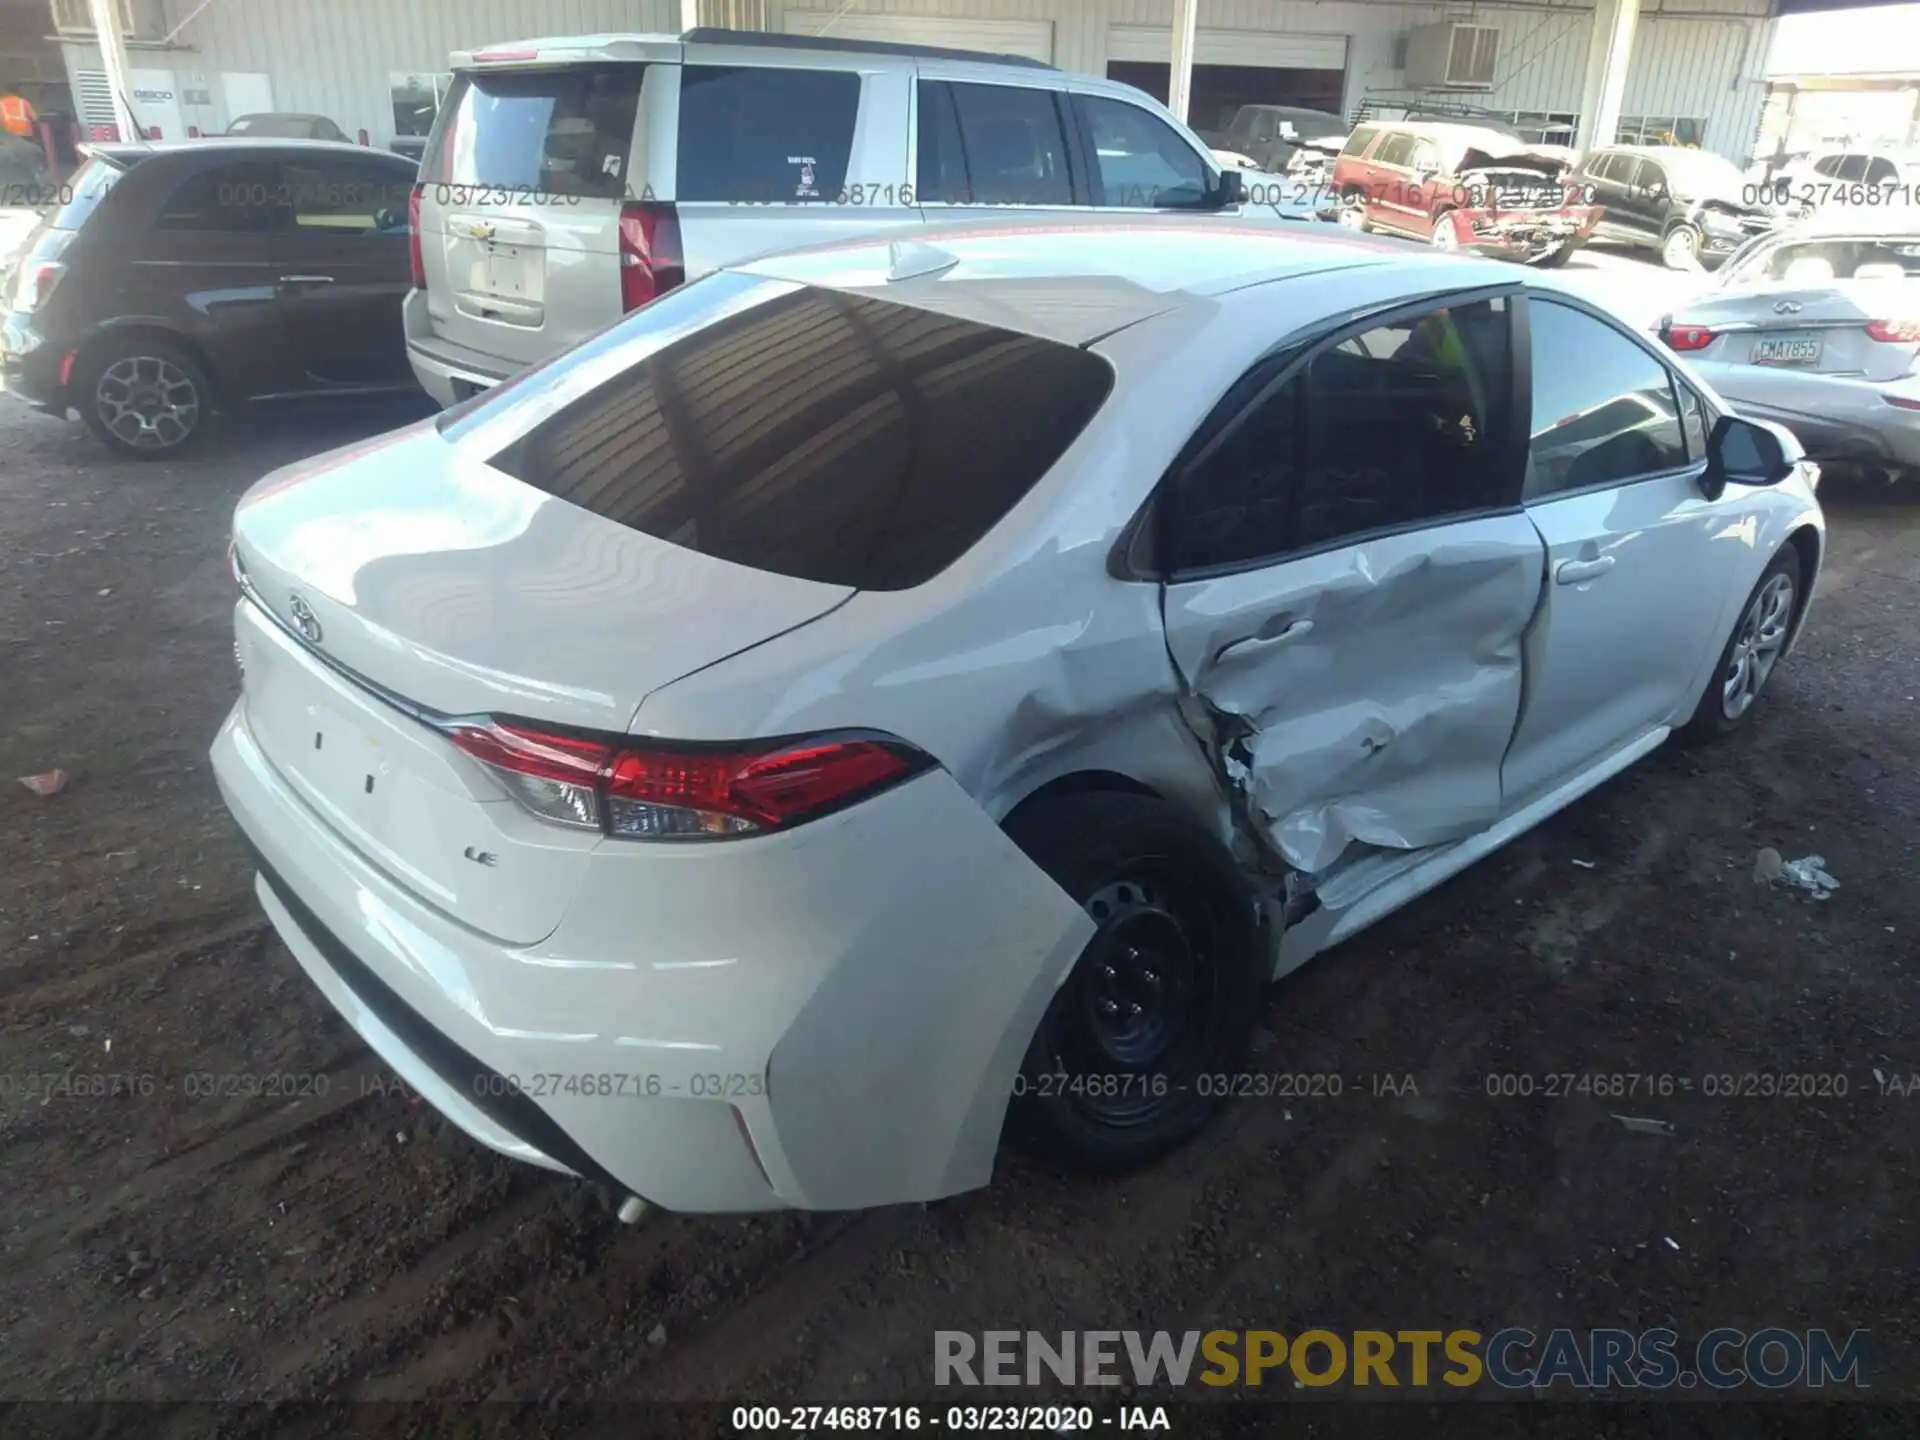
{"points": [[1639, 562], [342, 271], [1349, 577]]}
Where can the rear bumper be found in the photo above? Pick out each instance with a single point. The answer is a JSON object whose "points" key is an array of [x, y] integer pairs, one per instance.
{"points": [[855, 996], [30, 366], [447, 372], [1834, 419]]}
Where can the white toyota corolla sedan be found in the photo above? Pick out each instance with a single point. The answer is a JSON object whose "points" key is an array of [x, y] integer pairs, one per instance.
{"points": [[893, 694]]}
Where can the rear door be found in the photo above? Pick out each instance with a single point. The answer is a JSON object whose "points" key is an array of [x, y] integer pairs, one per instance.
{"points": [[1640, 565], [520, 212], [1349, 577], [772, 156], [207, 262], [341, 269], [1390, 184], [1643, 209]]}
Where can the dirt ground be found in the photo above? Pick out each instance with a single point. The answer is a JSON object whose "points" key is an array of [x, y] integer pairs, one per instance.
{"points": [[163, 1244]]}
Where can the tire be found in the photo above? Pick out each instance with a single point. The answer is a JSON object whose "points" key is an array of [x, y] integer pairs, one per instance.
{"points": [[143, 397], [1353, 212], [1554, 259], [1768, 610], [1680, 248], [1443, 235], [1178, 947]]}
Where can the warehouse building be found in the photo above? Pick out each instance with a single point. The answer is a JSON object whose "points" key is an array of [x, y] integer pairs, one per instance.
{"points": [[1685, 71]]}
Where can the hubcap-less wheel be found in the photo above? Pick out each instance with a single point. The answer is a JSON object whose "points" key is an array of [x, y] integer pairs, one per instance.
{"points": [[147, 402], [1353, 212], [1445, 237], [1756, 646], [1125, 1038], [1682, 249]]}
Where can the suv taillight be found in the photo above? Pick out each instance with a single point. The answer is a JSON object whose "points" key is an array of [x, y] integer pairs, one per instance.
{"points": [[651, 261], [416, 253], [1894, 332], [1688, 337], [647, 791]]}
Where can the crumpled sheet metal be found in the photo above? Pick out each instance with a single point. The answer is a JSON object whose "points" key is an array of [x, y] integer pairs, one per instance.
{"points": [[1416, 658]]}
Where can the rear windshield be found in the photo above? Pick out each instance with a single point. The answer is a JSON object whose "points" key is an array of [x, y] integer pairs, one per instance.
{"points": [[822, 435], [541, 132], [84, 192]]}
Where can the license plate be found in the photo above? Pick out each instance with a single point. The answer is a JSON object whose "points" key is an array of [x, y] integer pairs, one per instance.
{"points": [[1785, 352], [506, 272]]}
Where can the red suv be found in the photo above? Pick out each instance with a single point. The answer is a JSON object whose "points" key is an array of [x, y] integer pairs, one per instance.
{"points": [[1464, 187]]}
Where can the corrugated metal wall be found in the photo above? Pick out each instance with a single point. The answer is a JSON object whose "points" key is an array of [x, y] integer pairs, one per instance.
{"points": [[335, 56]]}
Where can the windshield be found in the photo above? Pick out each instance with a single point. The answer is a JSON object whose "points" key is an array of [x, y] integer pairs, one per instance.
{"points": [[84, 192]]}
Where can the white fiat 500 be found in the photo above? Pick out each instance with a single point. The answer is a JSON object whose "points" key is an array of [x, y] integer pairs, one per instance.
{"points": [[886, 695]]}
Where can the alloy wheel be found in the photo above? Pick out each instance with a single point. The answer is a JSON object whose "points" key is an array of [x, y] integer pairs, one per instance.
{"points": [[1756, 646], [1681, 248], [148, 402]]}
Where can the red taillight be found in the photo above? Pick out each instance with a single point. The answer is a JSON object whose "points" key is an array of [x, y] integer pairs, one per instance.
{"points": [[651, 261], [416, 253], [664, 792], [1688, 337], [1902, 401], [1894, 332]]}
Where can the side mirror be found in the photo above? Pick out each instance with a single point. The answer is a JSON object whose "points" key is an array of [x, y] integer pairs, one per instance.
{"points": [[1230, 189], [1748, 452]]}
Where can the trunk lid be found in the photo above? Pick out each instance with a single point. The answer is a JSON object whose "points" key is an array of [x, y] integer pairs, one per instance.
{"points": [[524, 179], [1819, 329], [434, 576]]}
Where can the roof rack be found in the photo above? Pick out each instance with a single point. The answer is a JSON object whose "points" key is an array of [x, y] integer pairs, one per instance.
{"points": [[714, 35]]}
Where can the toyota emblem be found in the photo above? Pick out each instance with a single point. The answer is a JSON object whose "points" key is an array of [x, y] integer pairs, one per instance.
{"points": [[304, 617]]}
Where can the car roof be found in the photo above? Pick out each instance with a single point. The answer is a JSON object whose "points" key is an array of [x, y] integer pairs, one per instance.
{"points": [[1078, 280], [1459, 132], [1869, 222], [127, 152]]}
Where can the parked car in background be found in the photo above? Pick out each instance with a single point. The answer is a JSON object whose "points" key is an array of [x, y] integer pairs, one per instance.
{"points": [[592, 174], [281, 126], [1691, 206], [186, 277], [1817, 326], [1271, 136], [1842, 178], [881, 696], [1463, 187]]}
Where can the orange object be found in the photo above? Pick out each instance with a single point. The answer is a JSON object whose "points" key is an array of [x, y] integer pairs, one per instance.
{"points": [[17, 115]]}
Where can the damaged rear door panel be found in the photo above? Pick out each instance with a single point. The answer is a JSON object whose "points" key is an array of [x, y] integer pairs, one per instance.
{"points": [[1349, 578]]}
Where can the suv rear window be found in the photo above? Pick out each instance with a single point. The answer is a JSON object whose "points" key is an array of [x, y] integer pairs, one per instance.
{"points": [[763, 133], [822, 435], [543, 132]]}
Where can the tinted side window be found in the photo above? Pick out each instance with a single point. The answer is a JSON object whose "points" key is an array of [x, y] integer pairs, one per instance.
{"points": [[1603, 408], [827, 436], [346, 197], [943, 161], [1650, 179], [243, 199], [1408, 422], [1141, 161], [1828, 165], [1016, 148], [1854, 167], [1612, 167], [1880, 171], [765, 134], [1358, 141], [1394, 150]]}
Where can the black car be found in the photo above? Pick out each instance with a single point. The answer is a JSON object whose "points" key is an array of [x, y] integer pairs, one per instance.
{"points": [[180, 279], [1690, 205], [1270, 135]]}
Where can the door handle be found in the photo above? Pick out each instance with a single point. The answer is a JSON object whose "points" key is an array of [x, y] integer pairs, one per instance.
{"points": [[306, 279], [1572, 572], [1280, 630]]}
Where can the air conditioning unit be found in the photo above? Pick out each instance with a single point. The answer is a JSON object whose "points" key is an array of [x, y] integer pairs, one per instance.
{"points": [[1451, 57], [75, 17]]}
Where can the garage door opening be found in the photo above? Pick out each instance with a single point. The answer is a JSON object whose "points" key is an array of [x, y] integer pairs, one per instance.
{"points": [[1220, 90]]}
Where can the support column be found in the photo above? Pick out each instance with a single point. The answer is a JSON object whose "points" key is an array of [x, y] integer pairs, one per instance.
{"points": [[1186, 16], [113, 58], [1609, 47], [689, 15]]}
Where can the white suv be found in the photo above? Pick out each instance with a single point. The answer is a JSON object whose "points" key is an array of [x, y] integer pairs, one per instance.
{"points": [[568, 181]]}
